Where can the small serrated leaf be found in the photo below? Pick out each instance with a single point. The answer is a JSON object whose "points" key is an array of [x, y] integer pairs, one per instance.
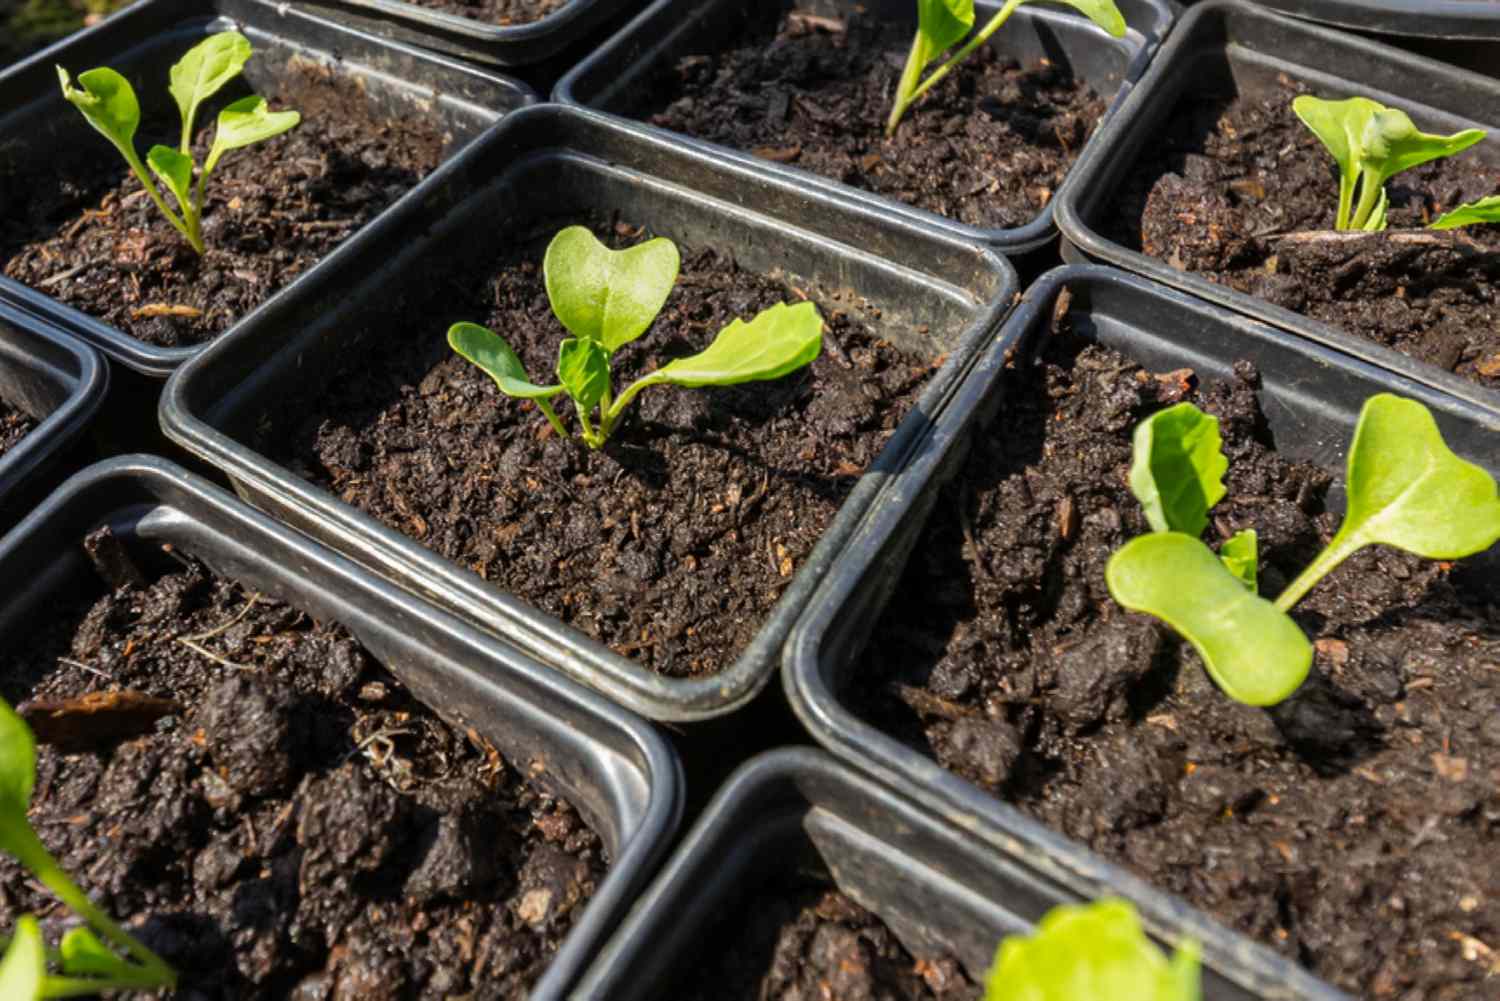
{"points": [[1178, 468], [175, 171], [583, 368], [1240, 554], [489, 352], [1252, 650]]}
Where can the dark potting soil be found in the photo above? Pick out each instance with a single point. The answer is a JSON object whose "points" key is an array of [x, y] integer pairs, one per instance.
{"points": [[988, 146], [1240, 191], [296, 825], [1354, 828], [497, 12], [672, 543], [14, 425], [80, 227], [799, 939]]}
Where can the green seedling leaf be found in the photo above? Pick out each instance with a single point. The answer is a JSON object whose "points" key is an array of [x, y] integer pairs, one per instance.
{"points": [[246, 121], [1240, 555], [1252, 649], [1406, 489], [1093, 952], [608, 296], [583, 368], [83, 954], [778, 341], [1178, 469], [17, 762], [108, 102], [942, 24], [175, 171], [489, 351], [1372, 143], [25, 963], [202, 71], [1469, 214], [1102, 12]]}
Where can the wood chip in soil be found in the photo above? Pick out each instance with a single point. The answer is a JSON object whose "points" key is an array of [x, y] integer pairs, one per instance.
{"points": [[988, 146], [1353, 829], [673, 543], [1238, 190], [298, 826], [81, 229]]}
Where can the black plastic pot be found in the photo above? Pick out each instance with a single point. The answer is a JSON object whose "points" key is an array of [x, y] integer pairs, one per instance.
{"points": [[1231, 45], [56, 381], [941, 890], [1311, 397], [669, 29], [944, 297], [143, 41], [618, 772], [1412, 18], [518, 45]]}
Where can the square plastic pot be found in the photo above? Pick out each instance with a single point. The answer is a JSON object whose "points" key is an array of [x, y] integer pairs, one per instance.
{"points": [[615, 770], [1231, 44], [1475, 19], [469, 38], [939, 889], [57, 381], [144, 40], [1311, 397], [944, 297], [669, 29]]}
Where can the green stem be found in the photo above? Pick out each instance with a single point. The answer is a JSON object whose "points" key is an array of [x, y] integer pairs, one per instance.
{"points": [[166, 210], [1346, 199], [973, 43], [23, 843], [557, 425], [1369, 197], [1337, 551], [625, 397], [590, 437], [915, 61]]}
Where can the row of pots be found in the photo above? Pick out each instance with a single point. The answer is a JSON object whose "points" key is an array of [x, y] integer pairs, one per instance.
{"points": [[988, 869]]}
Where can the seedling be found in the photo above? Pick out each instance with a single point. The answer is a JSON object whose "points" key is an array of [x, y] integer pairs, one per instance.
{"points": [[108, 102], [941, 24], [1405, 489], [1371, 144], [87, 965], [606, 299], [1092, 952]]}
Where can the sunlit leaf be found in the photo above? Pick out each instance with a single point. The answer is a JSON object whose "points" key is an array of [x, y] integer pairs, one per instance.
{"points": [[246, 121], [202, 71], [584, 370], [1178, 468], [1240, 555], [489, 351], [25, 962], [1469, 214], [175, 171], [608, 296], [108, 102], [779, 340]]}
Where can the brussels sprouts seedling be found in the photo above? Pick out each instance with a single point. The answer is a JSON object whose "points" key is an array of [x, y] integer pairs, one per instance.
{"points": [[606, 299], [941, 24], [1371, 144], [1092, 952], [1405, 489], [108, 102], [88, 965]]}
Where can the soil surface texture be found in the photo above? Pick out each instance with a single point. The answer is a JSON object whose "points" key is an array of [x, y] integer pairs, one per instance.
{"points": [[504, 13], [800, 939], [673, 542], [14, 425], [988, 146], [290, 823], [80, 228], [1240, 191], [1354, 828]]}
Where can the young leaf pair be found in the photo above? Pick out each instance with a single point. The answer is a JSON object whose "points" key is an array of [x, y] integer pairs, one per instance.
{"points": [[1091, 952], [109, 103], [1371, 144], [942, 24], [1405, 489], [87, 965], [606, 299]]}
